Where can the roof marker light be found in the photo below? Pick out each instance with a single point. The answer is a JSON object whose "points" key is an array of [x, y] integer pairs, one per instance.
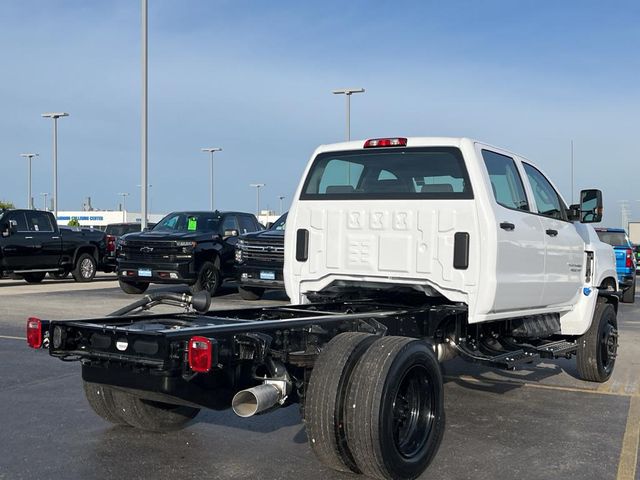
{"points": [[386, 142], [200, 354], [34, 332]]}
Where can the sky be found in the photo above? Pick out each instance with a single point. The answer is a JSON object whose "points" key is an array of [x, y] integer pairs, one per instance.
{"points": [[255, 78]]}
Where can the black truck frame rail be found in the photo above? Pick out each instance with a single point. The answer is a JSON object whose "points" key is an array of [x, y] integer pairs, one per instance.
{"points": [[149, 353]]}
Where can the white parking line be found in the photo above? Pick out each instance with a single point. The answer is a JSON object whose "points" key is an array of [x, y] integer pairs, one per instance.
{"points": [[9, 337]]}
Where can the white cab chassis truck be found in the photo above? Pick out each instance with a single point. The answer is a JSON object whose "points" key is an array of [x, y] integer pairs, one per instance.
{"points": [[400, 253]]}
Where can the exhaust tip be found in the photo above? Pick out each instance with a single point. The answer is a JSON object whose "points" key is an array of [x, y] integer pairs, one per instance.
{"points": [[244, 404]]}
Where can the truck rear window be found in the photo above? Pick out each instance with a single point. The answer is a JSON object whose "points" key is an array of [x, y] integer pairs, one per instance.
{"points": [[616, 239], [390, 173]]}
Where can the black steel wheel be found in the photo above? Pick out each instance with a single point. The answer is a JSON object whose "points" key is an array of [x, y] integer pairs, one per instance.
{"points": [[325, 399], [35, 277], [209, 279], [395, 409], [133, 288], [151, 415], [100, 398], [598, 347], [250, 293], [85, 268]]}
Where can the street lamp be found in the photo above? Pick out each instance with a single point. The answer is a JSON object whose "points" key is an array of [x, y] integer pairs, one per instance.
{"points": [[55, 117], [257, 186], [281, 197], [145, 115], [124, 196], [44, 203], [211, 151], [30, 198], [347, 92]]}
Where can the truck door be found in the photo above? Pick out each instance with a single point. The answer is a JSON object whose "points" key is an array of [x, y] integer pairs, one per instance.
{"points": [[47, 244], [520, 259], [16, 247], [564, 248]]}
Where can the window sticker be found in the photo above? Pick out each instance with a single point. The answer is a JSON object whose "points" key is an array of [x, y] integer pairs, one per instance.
{"points": [[192, 224]]}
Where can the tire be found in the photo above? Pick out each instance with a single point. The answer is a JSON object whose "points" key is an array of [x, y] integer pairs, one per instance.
{"points": [[100, 398], [133, 287], [325, 397], [629, 294], [59, 275], [598, 346], [150, 415], [250, 293], [35, 277], [395, 409], [209, 279], [85, 268]]}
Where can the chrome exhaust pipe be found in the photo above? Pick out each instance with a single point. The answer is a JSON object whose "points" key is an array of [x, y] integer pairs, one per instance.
{"points": [[247, 403]]}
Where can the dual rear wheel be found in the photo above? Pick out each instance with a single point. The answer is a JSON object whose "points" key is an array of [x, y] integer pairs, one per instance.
{"points": [[376, 406]]}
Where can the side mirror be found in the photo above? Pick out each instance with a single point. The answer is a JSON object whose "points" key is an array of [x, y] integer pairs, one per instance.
{"points": [[269, 225], [231, 233], [9, 228], [590, 206]]}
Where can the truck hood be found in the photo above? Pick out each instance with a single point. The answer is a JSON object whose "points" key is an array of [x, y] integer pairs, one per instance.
{"points": [[264, 235], [159, 236]]}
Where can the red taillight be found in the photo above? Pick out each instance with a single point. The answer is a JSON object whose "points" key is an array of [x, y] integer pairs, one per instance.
{"points": [[34, 332], [111, 243], [386, 142], [200, 354], [629, 260]]}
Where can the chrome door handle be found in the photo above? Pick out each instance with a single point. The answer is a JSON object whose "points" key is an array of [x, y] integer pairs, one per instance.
{"points": [[28, 238]]}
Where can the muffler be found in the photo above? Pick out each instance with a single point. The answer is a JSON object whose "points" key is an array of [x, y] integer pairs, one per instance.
{"points": [[247, 403]]}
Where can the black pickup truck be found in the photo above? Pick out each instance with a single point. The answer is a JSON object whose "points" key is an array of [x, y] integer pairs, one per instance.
{"points": [[192, 248], [259, 261], [32, 244]]}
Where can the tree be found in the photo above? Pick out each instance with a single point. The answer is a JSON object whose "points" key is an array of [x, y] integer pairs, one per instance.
{"points": [[6, 205], [73, 222]]}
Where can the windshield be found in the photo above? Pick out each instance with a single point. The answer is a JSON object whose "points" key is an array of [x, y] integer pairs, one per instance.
{"points": [[120, 230], [189, 222], [280, 223], [395, 173], [615, 239]]}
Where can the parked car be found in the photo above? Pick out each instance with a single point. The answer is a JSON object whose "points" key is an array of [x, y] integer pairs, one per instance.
{"points": [[32, 244], [116, 230], [625, 259], [259, 261], [193, 248]]}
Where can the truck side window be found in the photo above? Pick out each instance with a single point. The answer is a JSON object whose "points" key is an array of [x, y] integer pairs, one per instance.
{"points": [[229, 223], [39, 222], [506, 183], [246, 224], [19, 219], [547, 199]]}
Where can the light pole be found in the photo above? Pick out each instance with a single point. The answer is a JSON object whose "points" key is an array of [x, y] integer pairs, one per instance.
{"points": [[211, 151], [55, 117], [257, 186], [30, 198], [45, 195], [347, 92], [124, 196], [281, 197], [145, 115], [149, 190]]}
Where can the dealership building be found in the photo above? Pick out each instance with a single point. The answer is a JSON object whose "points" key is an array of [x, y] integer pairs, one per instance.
{"points": [[102, 218]]}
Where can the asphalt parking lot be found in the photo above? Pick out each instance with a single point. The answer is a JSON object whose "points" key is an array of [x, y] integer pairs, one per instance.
{"points": [[534, 423]]}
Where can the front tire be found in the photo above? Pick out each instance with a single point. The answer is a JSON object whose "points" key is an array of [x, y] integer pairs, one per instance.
{"points": [[150, 415], [250, 293], [395, 409], [35, 277], [133, 288], [325, 399], [85, 268], [209, 279], [598, 346], [100, 398]]}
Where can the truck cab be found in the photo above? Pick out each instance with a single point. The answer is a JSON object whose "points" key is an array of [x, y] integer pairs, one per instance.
{"points": [[451, 217]]}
